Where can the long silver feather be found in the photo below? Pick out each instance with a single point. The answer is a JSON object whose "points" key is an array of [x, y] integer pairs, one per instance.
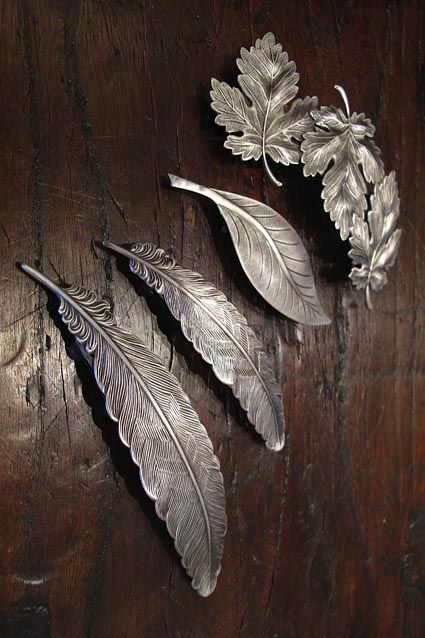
{"points": [[218, 332], [270, 251], [178, 468]]}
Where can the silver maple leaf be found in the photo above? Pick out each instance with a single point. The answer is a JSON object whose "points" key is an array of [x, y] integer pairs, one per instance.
{"points": [[342, 149], [375, 243], [269, 82]]}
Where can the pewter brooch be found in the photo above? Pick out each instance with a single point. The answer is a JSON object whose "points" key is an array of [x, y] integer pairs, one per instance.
{"points": [[270, 251], [342, 149], [178, 468]]}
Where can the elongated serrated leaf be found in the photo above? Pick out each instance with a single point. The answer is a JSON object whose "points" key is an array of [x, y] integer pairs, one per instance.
{"points": [[218, 332], [270, 251], [178, 468], [268, 81], [375, 242], [341, 149]]}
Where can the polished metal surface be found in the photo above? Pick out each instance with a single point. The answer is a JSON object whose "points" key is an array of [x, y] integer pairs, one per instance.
{"points": [[178, 468], [218, 332], [375, 242], [270, 251], [268, 84], [341, 149]]}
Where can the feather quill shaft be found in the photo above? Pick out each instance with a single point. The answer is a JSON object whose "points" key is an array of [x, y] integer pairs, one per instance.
{"points": [[178, 468], [219, 333]]}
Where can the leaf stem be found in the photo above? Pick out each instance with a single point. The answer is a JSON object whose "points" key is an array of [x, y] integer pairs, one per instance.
{"points": [[344, 96], [368, 300], [269, 173]]}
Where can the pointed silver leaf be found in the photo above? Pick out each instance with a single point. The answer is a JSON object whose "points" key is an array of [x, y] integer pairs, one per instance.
{"points": [[375, 243], [270, 251], [341, 149], [218, 332], [268, 81], [178, 468]]}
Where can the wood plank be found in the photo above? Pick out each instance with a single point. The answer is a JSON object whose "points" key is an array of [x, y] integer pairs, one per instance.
{"points": [[100, 100]]}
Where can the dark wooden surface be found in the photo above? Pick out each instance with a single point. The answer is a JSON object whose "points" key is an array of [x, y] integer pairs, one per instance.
{"points": [[99, 101]]}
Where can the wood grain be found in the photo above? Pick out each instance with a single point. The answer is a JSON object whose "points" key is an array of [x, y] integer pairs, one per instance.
{"points": [[99, 101]]}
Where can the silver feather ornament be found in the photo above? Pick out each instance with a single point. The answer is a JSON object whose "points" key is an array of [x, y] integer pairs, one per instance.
{"points": [[375, 242], [218, 332], [268, 81], [270, 251], [178, 468], [341, 149]]}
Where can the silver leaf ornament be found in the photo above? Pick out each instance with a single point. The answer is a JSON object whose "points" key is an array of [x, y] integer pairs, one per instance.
{"points": [[341, 149], [268, 82], [270, 251], [178, 468], [374, 244], [218, 332]]}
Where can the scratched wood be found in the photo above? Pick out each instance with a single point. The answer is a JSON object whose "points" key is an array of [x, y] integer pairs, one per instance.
{"points": [[99, 101]]}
